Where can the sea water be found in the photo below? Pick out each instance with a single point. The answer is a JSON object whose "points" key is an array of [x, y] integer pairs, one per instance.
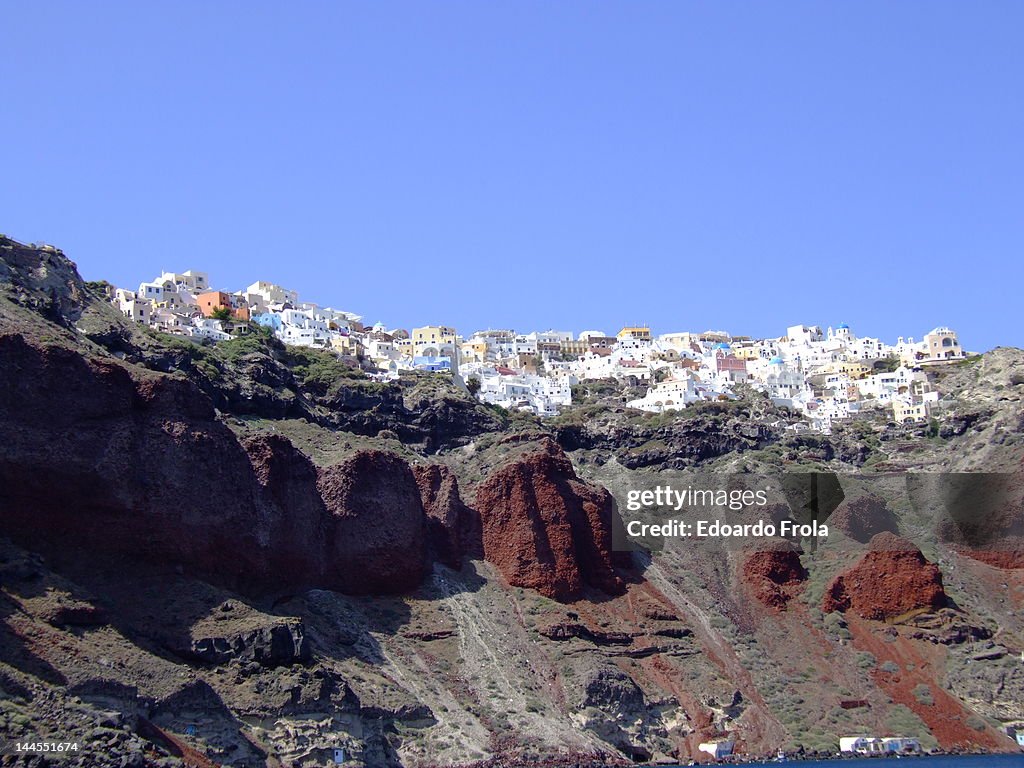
{"points": [[943, 761]]}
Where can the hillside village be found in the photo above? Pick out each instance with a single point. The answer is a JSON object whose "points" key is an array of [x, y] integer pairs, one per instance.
{"points": [[417, 535], [824, 375]]}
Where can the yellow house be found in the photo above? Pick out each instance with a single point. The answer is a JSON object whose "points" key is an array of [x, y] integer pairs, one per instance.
{"points": [[904, 411], [746, 353], [854, 369], [347, 345], [475, 351], [942, 344], [429, 340], [403, 346], [641, 332]]}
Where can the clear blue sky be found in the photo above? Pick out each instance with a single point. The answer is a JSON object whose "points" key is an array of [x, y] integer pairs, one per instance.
{"points": [[523, 164]]}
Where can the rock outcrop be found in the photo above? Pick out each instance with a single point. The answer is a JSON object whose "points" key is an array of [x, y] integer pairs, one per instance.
{"points": [[264, 516], [273, 645], [377, 538], [545, 529], [712, 430], [774, 573], [42, 279], [892, 579], [297, 520], [1007, 554], [453, 529]]}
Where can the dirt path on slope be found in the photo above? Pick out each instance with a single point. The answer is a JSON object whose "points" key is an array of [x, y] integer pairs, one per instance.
{"points": [[766, 732]]}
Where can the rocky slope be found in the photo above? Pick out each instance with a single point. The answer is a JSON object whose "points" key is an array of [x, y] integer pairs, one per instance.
{"points": [[253, 555]]}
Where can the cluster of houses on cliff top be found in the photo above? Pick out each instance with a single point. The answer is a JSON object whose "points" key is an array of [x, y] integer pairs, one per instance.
{"points": [[826, 375]]}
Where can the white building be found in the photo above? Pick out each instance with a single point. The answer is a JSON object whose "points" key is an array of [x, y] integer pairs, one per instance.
{"points": [[262, 294], [882, 386], [151, 291], [873, 745], [208, 328], [543, 395], [717, 749], [190, 280], [804, 335], [671, 395], [131, 306], [785, 385]]}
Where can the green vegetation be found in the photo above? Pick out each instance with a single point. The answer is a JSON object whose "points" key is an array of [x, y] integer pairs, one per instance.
{"points": [[860, 429], [923, 694], [319, 370], [592, 390], [835, 625], [98, 288], [232, 350], [866, 660], [967, 361], [516, 420], [902, 720], [976, 723]]}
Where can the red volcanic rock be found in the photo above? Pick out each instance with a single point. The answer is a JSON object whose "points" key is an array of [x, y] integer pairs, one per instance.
{"points": [[891, 579], [863, 517], [293, 512], [130, 467], [1006, 553], [453, 529], [774, 573], [100, 459], [545, 529], [377, 534], [836, 597], [126, 466]]}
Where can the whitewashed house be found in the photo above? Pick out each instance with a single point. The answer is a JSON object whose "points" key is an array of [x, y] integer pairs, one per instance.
{"points": [[671, 395]]}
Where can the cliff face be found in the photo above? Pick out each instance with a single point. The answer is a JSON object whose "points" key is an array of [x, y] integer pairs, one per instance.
{"points": [[377, 542], [453, 529], [251, 516], [715, 429], [296, 518], [42, 280], [259, 513], [545, 529], [75, 429]]}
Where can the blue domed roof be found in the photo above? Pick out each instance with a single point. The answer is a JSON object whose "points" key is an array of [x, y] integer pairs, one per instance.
{"points": [[776, 360], [722, 345], [843, 327]]}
